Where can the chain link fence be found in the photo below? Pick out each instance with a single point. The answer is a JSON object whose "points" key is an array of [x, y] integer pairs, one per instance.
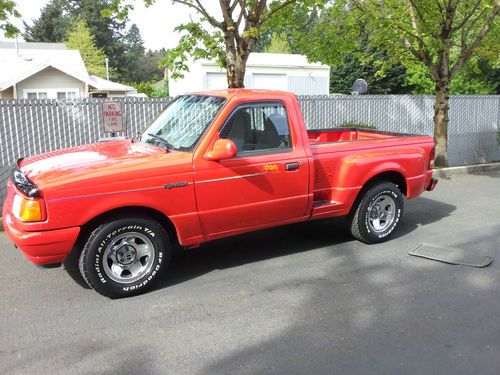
{"points": [[30, 127], [473, 129]]}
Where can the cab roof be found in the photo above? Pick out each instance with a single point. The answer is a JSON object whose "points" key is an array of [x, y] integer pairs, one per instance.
{"points": [[230, 93]]}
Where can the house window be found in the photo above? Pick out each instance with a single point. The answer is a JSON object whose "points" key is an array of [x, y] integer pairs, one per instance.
{"points": [[62, 95], [36, 95], [59, 94]]}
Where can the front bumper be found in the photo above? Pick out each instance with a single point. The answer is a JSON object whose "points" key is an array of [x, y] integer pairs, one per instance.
{"points": [[44, 247]]}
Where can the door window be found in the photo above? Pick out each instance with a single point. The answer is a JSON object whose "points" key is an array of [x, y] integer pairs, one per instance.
{"points": [[257, 129]]}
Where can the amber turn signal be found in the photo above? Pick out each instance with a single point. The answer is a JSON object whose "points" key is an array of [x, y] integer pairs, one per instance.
{"points": [[27, 209]]}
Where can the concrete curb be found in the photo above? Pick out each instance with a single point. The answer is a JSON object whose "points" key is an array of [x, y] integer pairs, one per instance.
{"points": [[466, 169], [441, 173]]}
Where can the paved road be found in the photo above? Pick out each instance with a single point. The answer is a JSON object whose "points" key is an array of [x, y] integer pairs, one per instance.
{"points": [[301, 299]]}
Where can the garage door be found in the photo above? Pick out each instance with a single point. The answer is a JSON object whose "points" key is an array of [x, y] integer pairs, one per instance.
{"points": [[269, 81], [216, 81]]}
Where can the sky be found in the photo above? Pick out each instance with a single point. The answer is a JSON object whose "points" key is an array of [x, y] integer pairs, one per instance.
{"points": [[156, 22]]}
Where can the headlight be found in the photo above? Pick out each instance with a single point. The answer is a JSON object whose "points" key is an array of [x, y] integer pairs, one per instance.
{"points": [[22, 182], [26, 209]]}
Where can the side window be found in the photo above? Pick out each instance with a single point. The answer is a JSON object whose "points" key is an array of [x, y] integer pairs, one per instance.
{"points": [[263, 127]]}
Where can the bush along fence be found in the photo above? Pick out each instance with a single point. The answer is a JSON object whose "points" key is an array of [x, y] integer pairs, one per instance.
{"points": [[30, 127]]}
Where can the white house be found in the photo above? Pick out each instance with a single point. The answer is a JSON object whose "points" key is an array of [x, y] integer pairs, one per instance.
{"points": [[50, 71], [276, 71]]}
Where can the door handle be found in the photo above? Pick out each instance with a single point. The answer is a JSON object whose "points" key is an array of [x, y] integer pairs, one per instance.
{"points": [[292, 166]]}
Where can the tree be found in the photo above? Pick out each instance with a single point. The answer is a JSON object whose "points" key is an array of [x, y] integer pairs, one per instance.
{"points": [[236, 36], [392, 80], [441, 34], [81, 38], [278, 44], [7, 10], [152, 66], [51, 26], [229, 40], [134, 55], [108, 32]]}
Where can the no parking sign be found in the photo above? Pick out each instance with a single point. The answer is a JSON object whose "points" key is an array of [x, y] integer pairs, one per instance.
{"points": [[112, 117]]}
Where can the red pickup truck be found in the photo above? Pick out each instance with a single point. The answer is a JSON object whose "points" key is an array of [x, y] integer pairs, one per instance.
{"points": [[211, 165]]}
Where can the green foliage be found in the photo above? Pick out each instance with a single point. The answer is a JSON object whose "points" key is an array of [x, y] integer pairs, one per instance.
{"points": [[419, 78], [80, 38], [109, 32], [416, 33], [152, 67], [229, 41], [376, 38], [278, 44], [152, 89], [51, 26], [7, 10], [134, 56], [128, 59], [391, 81], [212, 47]]}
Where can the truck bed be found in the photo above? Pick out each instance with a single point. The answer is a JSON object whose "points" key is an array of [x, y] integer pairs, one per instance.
{"points": [[344, 157], [318, 136]]}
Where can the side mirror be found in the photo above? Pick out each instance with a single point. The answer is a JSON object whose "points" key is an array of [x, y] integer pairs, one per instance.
{"points": [[223, 149]]}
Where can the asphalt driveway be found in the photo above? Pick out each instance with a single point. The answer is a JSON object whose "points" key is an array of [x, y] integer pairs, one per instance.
{"points": [[303, 299]]}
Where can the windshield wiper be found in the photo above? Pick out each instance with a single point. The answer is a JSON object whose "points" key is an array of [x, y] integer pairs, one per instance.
{"points": [[164, 141]]}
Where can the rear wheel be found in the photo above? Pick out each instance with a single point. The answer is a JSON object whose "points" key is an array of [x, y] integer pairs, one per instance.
{"points": [[125, 257], [377, 214]]}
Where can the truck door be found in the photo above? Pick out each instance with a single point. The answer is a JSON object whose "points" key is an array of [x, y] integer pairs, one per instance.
{"points": [[265, 184]]}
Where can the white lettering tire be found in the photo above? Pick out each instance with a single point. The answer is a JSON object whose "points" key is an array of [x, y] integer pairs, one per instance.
{"points": [[125, 257], [375, 216]]}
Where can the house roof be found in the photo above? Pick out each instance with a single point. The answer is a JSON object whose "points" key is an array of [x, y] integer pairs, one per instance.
{"points": [[31, 58], [282, 60], [101, 84]]}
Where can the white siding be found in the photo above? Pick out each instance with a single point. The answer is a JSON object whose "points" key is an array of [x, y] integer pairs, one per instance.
{"points": [[270, 81], [269, 71], [215, 81], [50, 79]]}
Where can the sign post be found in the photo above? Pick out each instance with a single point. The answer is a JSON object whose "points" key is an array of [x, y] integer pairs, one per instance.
{"points": [[112, 117]]}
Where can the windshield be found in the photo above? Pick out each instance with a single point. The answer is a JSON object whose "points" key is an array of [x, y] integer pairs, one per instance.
{"points": [[183, 122]]}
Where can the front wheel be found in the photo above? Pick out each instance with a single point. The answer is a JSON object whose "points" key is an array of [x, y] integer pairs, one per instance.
{"points": [[374, 218], [125, 257]]}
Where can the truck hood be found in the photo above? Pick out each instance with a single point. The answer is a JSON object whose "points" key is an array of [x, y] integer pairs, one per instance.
{"points": [[101, 162]]}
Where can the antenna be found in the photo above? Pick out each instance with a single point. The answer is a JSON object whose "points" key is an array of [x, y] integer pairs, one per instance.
{"points": [[359, 87]]}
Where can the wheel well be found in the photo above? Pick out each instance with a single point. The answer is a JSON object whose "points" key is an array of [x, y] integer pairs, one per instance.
{"points": [[90, 225], [391, 176]]}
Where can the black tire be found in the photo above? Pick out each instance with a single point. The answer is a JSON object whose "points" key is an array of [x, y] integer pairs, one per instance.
{"points": [[125, 257], [377, 201]]}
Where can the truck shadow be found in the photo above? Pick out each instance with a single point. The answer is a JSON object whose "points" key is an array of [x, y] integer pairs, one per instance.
{"points": [[286, 240]]}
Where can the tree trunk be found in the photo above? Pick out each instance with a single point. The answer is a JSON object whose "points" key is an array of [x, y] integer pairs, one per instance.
{"points": [[237, 52], [241, 64], [441, 106], [231, 59]]}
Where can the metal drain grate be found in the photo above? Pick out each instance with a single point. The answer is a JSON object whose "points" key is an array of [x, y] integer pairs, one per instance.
{"points": [[450, 255]]}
